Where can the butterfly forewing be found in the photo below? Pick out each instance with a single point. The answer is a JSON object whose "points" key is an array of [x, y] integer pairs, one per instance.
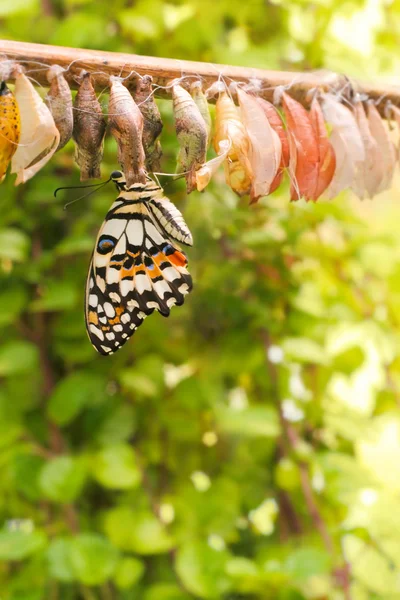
{"points": [[135, 267]]}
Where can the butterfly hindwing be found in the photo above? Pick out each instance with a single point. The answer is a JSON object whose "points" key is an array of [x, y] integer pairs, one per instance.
{"points": [[135, 270]]}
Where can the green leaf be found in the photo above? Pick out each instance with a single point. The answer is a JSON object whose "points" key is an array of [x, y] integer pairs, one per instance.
{"points": [[56, 295], [308, 562], [116, 467], [26, 472], [62, 479], [128, 572], [254, 421], [93, 559], [12, 303], [18, 357], [165, 591], [17, 7], [17, 545], [14, 244], [146, 378], [73, 393], [137, 532], [59, 557], [202, 570], [118, 427], [304, 349]]}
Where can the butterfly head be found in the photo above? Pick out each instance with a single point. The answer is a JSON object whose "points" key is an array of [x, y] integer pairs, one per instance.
{"points": [[119, 179]]}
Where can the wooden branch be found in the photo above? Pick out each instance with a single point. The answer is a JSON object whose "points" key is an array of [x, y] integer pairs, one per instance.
{"points": [[103, 64]]}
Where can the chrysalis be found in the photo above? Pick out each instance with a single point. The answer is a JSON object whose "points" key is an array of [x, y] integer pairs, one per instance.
{"points": [[89, 129], [229, 126], [277, 125], [200, 99], [265, 145], [39, 136], [346, 141], [387, 153], [304, 156], [126, 126], [369, 172], [326, 153], [192, 135], [59, 101], [152, 123], [10, 128]]}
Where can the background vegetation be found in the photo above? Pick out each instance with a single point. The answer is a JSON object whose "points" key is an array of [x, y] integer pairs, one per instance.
{"points": [[248, 447]]}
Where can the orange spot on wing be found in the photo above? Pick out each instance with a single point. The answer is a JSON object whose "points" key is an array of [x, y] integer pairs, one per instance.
{"points": [[114, 321], [93, 318], [159, 258], [178, 259], [127, 272], [155, 272]]}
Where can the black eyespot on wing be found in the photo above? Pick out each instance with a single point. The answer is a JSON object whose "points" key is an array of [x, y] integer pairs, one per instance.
{"points": [[106, 244]]}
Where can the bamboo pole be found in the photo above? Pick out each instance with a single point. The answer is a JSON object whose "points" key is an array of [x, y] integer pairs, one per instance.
{"points": [[103, 64]]}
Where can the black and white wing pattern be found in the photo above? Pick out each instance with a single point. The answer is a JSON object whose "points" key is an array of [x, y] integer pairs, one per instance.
{"points": [[136, 268]]}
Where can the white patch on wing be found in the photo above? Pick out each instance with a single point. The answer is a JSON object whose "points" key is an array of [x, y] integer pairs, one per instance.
{"points": [[171, 301], [134, 232], [170, 274], [109, 310], [112, 275], [153, 233], [152, 304], [126, 286], [97, 332], [101, 260], [132, 304], [115, 297], [142, 283], [107, 349], [125, 318], [118, 328], [101, 284], [93, 300], [161, 287], [113, 227], [184, 288], [110, 335], [120, 248]]}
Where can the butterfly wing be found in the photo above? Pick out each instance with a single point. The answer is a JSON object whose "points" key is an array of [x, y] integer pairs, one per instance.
{"points": [[135, 270], [170, 220]]}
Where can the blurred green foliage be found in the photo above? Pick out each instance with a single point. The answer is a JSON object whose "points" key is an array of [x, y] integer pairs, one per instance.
{"points": [[248, 447]]}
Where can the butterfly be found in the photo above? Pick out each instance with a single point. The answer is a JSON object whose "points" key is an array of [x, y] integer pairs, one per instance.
{"points": [[136, 266]]}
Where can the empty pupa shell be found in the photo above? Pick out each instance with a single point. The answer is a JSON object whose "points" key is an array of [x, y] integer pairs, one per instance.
{"points": [[192, 135], [59, 101], [10, 128], [89, 129], [126, 126], [229, 126], [39, 136], [152, 123], [200, 99]]}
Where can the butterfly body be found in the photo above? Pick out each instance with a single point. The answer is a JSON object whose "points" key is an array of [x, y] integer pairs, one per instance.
{"points": [[136, 266]]}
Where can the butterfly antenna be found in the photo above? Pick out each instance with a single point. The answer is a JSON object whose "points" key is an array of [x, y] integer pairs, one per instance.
{"points": [[81, 187], [85, 195]]}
